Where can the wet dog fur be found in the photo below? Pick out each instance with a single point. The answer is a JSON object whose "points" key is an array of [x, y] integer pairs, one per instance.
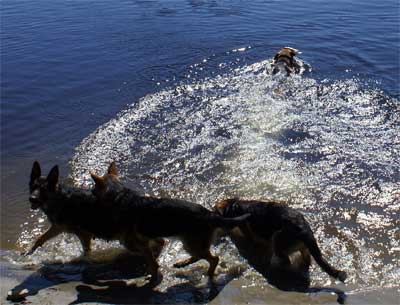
{"points": [[284, 61], [60, 206], [77, 211], [152, 217], [282, 227]]}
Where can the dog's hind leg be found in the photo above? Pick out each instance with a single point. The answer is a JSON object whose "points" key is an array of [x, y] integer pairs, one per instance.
{"points": [[282, 242], [306, 257], [85, 239], [152, 265], [199, 248], [213, 261], [156, 245], [52, 232], [134, 244]]}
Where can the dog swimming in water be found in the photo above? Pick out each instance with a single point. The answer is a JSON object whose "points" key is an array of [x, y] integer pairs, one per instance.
{"points": [[285, 62]]}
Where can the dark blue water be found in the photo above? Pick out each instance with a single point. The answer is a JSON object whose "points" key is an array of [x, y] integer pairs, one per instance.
{"points": [[68, 66], [189, 75]]}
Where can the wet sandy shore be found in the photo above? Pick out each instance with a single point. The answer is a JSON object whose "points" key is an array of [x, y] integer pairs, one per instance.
{"points": [[70, 286]]}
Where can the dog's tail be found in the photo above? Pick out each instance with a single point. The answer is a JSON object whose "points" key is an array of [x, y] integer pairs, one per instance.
{"points": [[309, 240], [229, 223]]}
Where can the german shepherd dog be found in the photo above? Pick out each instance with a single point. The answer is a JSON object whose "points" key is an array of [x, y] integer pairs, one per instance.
{"points": [[151, 218], [284, 61], [73, 210], [60, 205], [284, 226]]}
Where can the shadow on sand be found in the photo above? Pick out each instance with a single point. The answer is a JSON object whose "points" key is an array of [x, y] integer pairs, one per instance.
{"points": [[110, 275]]}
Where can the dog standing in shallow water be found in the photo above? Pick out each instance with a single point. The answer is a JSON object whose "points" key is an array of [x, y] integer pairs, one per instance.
{"points": [[151, 218], [76, 211], [63, 207], [284, 226]]}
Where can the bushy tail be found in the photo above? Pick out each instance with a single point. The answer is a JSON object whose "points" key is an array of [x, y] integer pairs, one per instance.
{"points": [[230, 223], [311, 243]]}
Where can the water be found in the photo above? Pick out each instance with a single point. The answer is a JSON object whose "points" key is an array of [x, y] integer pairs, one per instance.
{"points": [[177, 92]]}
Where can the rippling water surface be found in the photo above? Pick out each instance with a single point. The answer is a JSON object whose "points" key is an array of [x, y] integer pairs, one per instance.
{"points": [[179, 94]]}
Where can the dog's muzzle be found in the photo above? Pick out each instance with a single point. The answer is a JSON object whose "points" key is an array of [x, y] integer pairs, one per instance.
{"points": [[35, 202]]}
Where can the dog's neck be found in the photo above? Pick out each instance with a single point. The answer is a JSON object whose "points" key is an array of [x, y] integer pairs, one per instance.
{"points": [[65, 195], [121, 197], [284, 58]]}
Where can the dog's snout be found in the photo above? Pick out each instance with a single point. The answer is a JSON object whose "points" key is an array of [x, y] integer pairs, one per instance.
{"points": [[34, 199]]}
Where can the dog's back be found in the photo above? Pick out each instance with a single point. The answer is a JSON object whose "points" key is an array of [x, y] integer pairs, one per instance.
{"points": [[266, 217], [151, 218], [284, 61], [165, 217]]}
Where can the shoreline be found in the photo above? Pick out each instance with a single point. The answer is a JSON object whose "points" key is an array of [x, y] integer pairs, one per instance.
{"points": [[66, 286]]}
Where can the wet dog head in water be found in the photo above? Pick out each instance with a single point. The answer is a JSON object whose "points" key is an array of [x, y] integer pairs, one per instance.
{"points": [[284, 61]]}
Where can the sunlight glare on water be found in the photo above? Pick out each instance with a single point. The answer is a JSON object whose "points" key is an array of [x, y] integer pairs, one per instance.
{"points": [[329, 147]]}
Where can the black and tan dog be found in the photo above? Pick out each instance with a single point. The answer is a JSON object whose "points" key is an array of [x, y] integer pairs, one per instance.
{"points": [[151, 218], [60, 205], [73, 210], [285, 229], [284, 61]]}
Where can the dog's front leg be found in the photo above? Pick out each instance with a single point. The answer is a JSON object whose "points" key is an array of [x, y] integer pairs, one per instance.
{"points": [[85, 238], [53, 231], [152, 265]]}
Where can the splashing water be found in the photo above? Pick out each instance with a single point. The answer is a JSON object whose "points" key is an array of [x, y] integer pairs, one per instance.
{"points": [[329, 147]]}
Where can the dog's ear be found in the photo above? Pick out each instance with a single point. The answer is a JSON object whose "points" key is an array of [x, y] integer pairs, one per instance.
{"points": [[99, 181], [112, 169], [52, 178], [218, 209], [293, 51], [221, 206], [36, 171]]}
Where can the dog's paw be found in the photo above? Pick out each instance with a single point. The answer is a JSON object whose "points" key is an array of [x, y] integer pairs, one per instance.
{"points": [[342, 276], [27, 253], [155, 280], [17, 296]]}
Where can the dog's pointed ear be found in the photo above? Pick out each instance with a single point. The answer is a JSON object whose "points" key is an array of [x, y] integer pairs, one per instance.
{"points": [[221, 206], [52, 178], [112, 169], [36, 171], [293, 51], [99, 181]]}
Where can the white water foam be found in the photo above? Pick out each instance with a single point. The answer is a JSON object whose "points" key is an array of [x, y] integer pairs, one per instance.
{"points": [[331, 148]]}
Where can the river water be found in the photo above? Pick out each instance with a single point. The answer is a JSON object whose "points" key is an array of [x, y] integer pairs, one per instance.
{"points": [[179, 94]]}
